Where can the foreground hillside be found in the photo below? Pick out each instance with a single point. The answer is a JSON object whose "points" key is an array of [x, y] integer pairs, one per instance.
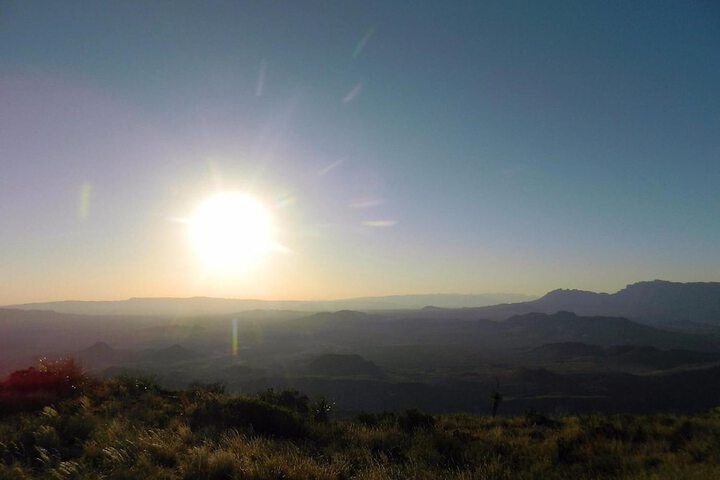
{"points": [[129, 428]]}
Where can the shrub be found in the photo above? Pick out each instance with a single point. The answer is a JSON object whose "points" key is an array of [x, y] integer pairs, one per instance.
{"points": [[682, 434], [61, 377], [47, 437], [453, 449], [290, 399], [414, 419], [214, 387], [77, 427], [569, 452], [390, 446], [264, 418], [536, 419], [35, 387], [133, 386], [260, 416], [376, 419], [321, 410]]}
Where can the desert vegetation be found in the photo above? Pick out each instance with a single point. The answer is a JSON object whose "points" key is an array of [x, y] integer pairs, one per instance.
{"points": [[64, 425]]}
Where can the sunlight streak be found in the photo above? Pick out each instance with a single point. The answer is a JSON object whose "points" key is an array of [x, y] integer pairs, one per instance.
{"points": [[234, 336], [366, 203], [363, 42], [380, 223], [330, 167], [260, 85], [84, 204], [352, 94]]}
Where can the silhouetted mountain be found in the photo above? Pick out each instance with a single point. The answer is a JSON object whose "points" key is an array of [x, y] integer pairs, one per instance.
{"points": [[338, 365], [101, 355], [656, 302]]}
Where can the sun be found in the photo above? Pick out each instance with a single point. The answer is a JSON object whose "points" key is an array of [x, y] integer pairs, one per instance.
{"points": [[231, 232]]}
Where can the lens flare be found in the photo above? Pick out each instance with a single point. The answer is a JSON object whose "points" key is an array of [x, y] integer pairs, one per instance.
{"points": [[84, 204], [234, 340], [356, 90]]}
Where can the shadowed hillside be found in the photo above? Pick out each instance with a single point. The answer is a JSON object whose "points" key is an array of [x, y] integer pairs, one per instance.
{"points": [[399, 359], [336, 365], [650, 357]]}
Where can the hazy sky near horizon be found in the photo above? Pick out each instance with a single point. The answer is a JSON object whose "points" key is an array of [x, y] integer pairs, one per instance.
{"points": [[402, 147]]}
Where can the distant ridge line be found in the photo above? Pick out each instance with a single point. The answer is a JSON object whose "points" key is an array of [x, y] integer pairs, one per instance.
{"points": [[222, 306]]}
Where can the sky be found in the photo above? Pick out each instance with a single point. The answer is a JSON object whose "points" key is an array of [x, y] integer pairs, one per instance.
{"points": [[400, 147]]}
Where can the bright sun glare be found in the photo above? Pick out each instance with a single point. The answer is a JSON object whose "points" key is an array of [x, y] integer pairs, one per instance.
{"points": [[231, 232]]}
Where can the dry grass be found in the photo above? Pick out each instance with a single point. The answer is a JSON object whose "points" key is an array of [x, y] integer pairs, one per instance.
{"points": [[116, 431]]}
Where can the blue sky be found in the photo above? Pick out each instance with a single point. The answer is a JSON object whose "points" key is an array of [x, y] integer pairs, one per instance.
{"points": [[403, 147]]}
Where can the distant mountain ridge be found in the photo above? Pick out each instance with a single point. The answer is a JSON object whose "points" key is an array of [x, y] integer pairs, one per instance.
{"points": [[655, 302], [693, 306], [222, 306]]}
